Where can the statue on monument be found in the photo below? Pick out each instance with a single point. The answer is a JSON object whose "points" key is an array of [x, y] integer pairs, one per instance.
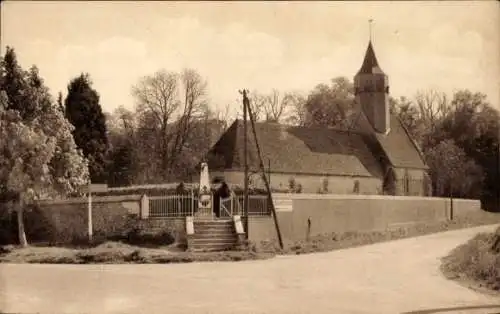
{"points": [[205, 196]]}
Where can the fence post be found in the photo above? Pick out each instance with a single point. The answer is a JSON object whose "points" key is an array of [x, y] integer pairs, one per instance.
{"points": [[232, 206], [144, 207], [89, 213], [192, 202]]}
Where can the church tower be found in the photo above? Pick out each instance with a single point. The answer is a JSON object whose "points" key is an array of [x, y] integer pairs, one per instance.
{"points": [[371, 87]]}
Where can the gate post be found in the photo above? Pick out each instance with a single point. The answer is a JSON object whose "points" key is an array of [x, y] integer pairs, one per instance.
{"points": [[144, 207]]}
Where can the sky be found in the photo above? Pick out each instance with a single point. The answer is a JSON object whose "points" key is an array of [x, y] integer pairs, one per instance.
{"points": [[256, 45]]}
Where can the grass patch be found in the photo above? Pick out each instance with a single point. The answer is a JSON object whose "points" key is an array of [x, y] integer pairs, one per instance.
{"points": [[476, 263], [119, 253]]}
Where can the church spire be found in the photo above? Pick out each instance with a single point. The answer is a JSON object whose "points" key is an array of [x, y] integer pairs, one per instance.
{"points": [[370, 63], [371, 87]]}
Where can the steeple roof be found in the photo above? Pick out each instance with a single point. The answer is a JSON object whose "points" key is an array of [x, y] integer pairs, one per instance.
{"points": [[370, 63]]}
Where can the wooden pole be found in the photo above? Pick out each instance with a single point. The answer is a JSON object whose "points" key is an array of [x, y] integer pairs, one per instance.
{"points": [[245, 159], [263, 173], [497, 209], [269, 170], [245, 149]]}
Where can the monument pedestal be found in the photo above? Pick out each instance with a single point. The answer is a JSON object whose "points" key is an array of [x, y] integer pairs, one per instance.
{"points": [[204, 213]]}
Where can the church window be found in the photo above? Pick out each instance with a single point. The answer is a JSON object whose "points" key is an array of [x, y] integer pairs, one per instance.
{"points": [[355, 189], [406, 183]]}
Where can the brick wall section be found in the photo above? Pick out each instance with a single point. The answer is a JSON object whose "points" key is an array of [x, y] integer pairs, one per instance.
{"points": [[112, 217], [341, 213], [68, 219]]}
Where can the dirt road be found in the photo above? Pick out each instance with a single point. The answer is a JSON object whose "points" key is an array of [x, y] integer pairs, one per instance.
{"points": [[395, 277]]}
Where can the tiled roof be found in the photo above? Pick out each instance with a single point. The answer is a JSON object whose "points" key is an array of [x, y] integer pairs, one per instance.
{"points": [[399, 147], [299, 150], [370, 63]]}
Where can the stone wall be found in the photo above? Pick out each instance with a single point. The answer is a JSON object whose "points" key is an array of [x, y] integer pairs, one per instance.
{"points": [[59, 222], [300, 214], [68, 220]]}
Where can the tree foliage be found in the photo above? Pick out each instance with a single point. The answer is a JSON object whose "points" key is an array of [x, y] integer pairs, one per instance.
{"points": [[474, 125], [122, 154], [83, 110], [452, 172], [469, 122], [38, 156], [328, 105]]}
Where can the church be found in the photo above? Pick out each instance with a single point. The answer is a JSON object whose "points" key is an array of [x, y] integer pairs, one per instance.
{"points": [[375, 156]]}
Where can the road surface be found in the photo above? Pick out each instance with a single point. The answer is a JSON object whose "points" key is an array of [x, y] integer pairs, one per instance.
{"points": [[394, 277]]}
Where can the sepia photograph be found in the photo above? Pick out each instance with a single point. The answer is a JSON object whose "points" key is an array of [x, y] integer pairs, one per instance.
{"points": [[284, 157]]}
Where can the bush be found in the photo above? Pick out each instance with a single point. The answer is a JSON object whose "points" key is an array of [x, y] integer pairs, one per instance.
{"points": [[476, 261], [138, 237], [37, 226], [8, 225]]}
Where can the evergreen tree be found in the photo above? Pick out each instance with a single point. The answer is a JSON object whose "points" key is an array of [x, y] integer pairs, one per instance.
{"points": [[60, 105], [83, 110], [122, 166], [13, 83], [38, 156]]}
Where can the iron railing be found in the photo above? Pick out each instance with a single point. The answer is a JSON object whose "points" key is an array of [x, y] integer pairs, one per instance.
{"points": [[182, 205]]}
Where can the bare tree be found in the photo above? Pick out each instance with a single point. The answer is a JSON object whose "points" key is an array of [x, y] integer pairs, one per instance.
{"points": [[276, 106], [166, 118], [433, 106], [258, 103], [157, 101], [194, 107], [223, 115], [297, 107], [286, 107]]}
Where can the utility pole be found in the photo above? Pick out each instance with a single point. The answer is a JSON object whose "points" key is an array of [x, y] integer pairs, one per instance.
{"points": [[263, 173], [245, 157], [269, 170], [498, 170]]}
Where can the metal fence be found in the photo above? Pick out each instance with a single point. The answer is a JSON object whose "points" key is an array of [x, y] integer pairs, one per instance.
{"points": [[182, 205], [172, 206]]}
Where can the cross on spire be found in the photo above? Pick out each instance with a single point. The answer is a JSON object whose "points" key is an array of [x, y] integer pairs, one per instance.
{"points": [[370, 21]]}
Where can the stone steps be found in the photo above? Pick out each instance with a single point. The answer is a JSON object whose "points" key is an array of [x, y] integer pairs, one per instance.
{"points": [[213, 235]]}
